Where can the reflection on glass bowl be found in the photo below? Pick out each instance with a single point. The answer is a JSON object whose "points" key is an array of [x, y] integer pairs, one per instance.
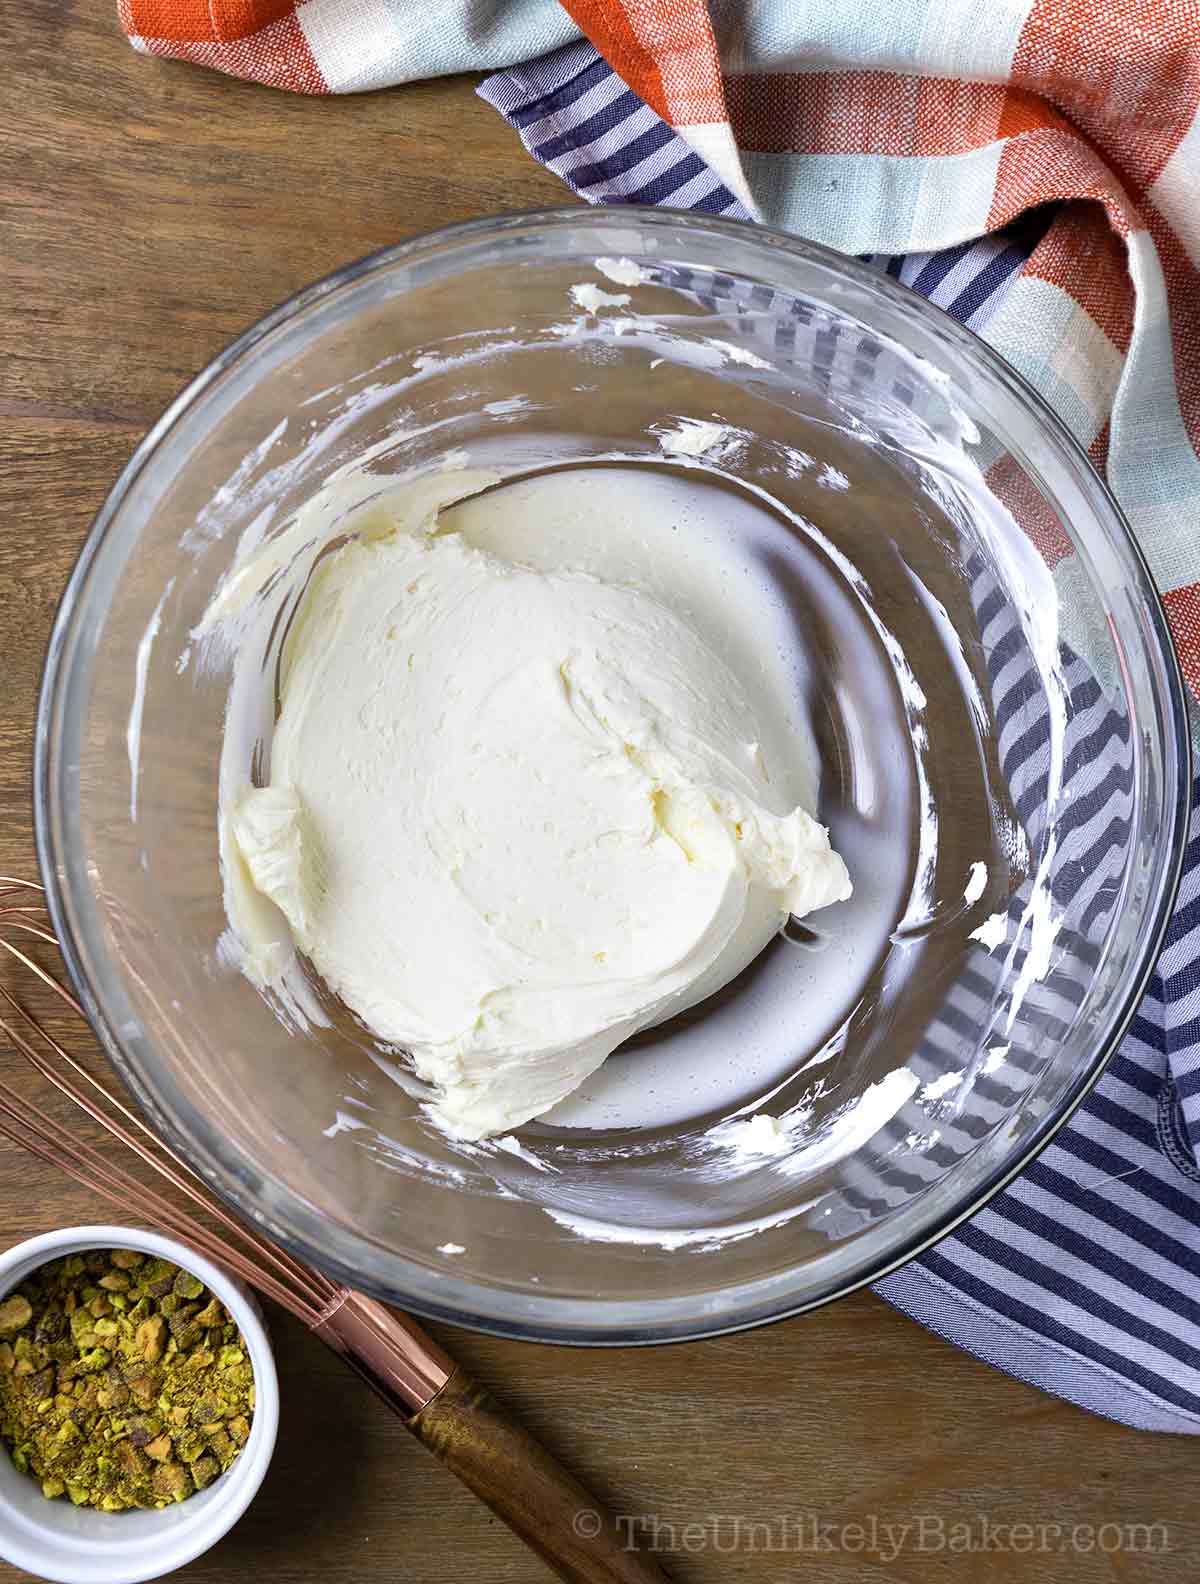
{"points": [[1003, 766]]}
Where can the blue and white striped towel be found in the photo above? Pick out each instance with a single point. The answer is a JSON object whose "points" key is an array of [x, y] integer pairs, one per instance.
{"points": [[1083, 1276]]}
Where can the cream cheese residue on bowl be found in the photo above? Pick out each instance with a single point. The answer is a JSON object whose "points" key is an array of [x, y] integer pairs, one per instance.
{"points": [[759, 1087], [516, 813]]}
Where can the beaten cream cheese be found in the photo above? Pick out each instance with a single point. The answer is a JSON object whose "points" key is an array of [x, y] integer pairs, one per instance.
{"points": [[516, 814]]}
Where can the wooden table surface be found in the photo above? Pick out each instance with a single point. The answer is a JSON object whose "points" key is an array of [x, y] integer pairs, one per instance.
{"points": [[151, 211]]}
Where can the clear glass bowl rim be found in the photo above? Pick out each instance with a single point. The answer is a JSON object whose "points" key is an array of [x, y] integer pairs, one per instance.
{"points": [[530, 1317]]}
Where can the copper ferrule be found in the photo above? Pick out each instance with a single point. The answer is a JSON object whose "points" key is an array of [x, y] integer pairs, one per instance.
{"points": [[393, 1355]]}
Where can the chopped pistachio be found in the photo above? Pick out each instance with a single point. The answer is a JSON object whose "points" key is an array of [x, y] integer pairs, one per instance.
{"points": [[171, 1480], [87, 1396], [189, 1446], [117, 1391], [41, 1385], [15, 1314], [81, 1322], [124, 1384], [51, 1324], [184, 1333], [204, 1470], [142, 1388]]}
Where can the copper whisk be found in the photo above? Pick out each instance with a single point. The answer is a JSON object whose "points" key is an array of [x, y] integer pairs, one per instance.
{"points": [[438, 1402]]}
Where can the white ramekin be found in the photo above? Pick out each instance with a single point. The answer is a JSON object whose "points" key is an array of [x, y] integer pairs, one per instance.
{"points": [[78, 1545]]}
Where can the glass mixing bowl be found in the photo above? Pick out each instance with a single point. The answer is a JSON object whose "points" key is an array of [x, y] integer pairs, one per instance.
{"points": [[991, 688]]}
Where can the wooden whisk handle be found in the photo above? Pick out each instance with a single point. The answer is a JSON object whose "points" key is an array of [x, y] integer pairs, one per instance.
{"points": [[477, 1441], [535, 1496]]}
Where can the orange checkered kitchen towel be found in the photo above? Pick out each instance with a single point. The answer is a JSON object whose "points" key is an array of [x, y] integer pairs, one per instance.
{"points": [[879, 126]]}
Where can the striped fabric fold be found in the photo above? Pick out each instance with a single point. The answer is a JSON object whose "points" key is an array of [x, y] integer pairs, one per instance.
{"points": [[1033, 168], [579, 118], [1083, 1276]]}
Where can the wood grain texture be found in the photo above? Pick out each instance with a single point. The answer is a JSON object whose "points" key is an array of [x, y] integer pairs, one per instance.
{"points": [[151, 211], [494, 1456]]}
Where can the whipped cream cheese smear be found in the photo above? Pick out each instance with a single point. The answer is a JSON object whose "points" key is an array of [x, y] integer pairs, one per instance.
{"points": [[522, 806]]}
